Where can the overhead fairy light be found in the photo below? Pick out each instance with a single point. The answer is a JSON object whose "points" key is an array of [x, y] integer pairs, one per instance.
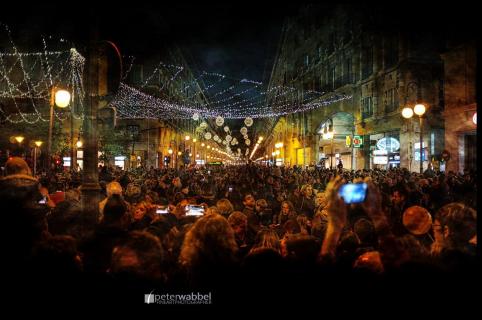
{"points": [[31, 75]]}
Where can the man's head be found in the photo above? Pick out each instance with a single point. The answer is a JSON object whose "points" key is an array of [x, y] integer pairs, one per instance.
{"points": [[249, 201], [398, 196], [16, 165], [238, 222], [141, 255], [261, 205]]}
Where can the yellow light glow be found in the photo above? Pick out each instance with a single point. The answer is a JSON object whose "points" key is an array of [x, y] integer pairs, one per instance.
{"points": [[79, 144], [202, 144], [19, 139], [38, 143], [419, 109], [194, 140], [407, 113], [62, 98], [169, 151], [187, 138]]}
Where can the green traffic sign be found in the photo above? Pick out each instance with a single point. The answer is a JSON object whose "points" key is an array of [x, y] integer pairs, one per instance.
{"points": [[357, 141]]}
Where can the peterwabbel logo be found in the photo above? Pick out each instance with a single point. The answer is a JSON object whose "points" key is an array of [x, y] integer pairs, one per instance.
{"points": [[166, 298]]}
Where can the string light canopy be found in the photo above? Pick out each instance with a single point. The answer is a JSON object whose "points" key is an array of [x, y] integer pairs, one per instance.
{"points": [[226, 97], [27, 78]]}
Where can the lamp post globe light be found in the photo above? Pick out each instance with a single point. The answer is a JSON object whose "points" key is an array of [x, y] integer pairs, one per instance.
{"points": [[61, 99], [419, 109], [37, 143]]}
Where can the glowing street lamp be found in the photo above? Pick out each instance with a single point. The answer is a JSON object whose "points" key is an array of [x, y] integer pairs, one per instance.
{"points": [[19, 139], [419, 109], [62, 98], [37, 143]]}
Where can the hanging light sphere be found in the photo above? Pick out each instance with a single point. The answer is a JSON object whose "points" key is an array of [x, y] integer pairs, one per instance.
{"points": [[207, 135], [407, 113], [244, 131], [226, 129], [62, 98], [219, 121], [419, 109], [203, 125], [195, 116], [248, 122]]}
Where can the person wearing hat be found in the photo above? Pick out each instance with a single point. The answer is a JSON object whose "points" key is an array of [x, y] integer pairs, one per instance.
{"points": [[418, 221]]}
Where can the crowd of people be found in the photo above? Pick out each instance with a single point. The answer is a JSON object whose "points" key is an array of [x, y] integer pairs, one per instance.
{"points": [[263, 229]]}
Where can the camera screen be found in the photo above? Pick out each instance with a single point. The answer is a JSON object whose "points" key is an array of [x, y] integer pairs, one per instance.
{"points": [[353, 192], [162, 210], [193, 210]]}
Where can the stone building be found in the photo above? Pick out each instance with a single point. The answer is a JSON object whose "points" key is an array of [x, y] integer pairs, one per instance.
{"points": [[356, 51], [460, 106]]}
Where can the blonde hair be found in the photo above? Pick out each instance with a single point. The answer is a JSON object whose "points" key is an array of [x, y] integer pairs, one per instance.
{"points": [[225, 207], [113, 187]]}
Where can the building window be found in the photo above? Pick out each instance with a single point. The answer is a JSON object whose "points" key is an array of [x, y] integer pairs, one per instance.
{"points": [[332, 77], [367, 107], [133, 131], [367, 62], [391, 100], [319, 52], [391, 51], [441, 94], [347, 71]]}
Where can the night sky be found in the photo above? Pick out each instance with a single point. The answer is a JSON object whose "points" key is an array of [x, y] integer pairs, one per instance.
{"points": [[239, 40]]}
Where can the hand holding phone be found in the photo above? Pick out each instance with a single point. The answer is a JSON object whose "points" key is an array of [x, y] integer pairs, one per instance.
{"points": [[353, 192], [194, 210], [162, 210]]}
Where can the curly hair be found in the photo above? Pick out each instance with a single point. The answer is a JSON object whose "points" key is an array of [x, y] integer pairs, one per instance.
{"points": [[209, 242]]}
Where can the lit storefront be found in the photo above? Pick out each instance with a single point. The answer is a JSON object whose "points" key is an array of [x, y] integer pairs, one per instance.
{"points": [[385, 150]]}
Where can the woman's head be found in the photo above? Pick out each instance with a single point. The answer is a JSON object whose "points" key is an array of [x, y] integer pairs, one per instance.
{"points": [[286, 207], [307, 190], [210, 241], [268, 239]]}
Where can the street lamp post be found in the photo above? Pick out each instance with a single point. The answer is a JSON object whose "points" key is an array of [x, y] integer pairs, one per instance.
{"points": [[419, 110], [38, 143], [60, 98]]}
